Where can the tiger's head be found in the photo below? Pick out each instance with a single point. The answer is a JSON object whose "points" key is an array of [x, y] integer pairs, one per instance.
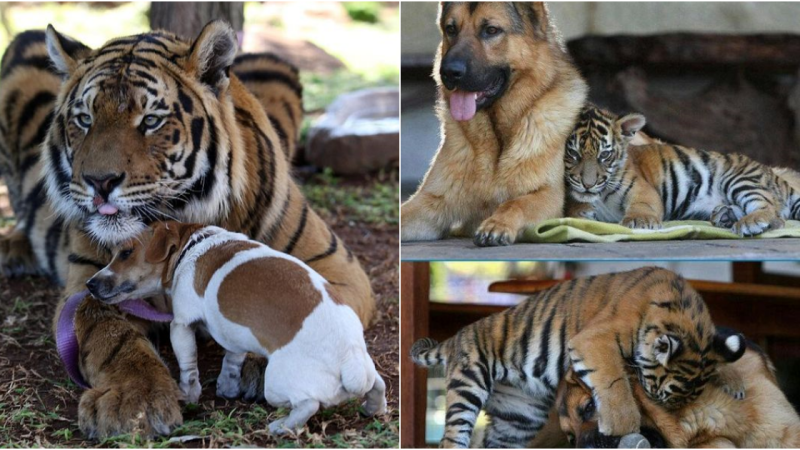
{"points": [[678, 348], [138, 128], [596, 151]]}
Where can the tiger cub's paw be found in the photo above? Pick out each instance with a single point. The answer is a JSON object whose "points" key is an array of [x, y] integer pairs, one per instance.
{"points": [[731, 381], [756, 223], [619, 417], [641, 221], [725, 216]]}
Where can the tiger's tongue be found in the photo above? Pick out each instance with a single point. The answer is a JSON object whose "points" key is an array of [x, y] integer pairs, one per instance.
{"points": [[105, 209], [462, 105]]}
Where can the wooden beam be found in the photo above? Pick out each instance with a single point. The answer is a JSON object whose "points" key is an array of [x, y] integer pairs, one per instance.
{"points": [[702, 286], [414, 316]]}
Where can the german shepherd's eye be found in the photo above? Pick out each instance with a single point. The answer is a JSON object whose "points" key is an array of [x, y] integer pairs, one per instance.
{"points": [[492, 31], [125, 254], [84, 120], [450, 30], [588, 410]]}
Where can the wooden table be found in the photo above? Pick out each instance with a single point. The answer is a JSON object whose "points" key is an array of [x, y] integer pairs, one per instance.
{"points": [[720, 249]]}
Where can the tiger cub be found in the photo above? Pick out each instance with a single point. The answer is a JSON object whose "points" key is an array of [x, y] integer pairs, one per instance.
{"points": [[612, 179], [648, 320]]}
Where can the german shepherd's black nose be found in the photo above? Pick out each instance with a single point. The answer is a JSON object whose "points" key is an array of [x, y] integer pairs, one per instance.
{"points": [[452, 71]]}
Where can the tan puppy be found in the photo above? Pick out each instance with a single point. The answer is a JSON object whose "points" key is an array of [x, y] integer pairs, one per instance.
{"points": [[254, 299], [763, 419], [509, 96]]}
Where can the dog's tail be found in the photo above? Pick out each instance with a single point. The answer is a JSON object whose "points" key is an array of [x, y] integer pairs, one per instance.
{"points": [[427, 352], [358, 372]]}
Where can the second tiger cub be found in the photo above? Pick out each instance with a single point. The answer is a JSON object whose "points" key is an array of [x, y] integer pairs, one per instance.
{"points": [[640, 186]]}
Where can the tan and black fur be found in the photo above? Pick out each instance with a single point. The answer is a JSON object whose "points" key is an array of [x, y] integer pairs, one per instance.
{"points": [[764, 418], [611, 179], [502, 169], [217, 156], [509, 364]]}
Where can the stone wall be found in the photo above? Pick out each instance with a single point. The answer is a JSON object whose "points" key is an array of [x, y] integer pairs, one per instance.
{"points": [[575, 19]]}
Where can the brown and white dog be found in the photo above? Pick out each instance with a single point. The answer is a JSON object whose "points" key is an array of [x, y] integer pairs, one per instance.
{"points": [[250, 298], [764, 418]]}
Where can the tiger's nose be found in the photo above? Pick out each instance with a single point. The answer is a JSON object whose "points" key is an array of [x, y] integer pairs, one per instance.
{"points": [[596, 182], [104, 184]]}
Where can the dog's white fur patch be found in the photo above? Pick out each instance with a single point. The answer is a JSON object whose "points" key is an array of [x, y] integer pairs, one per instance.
{"points": [[733, 343]]}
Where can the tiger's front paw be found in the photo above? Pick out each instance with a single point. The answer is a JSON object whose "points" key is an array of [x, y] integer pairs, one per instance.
{"points": [[495, 232], [16, 256], [641, 221], [618, 418], [725, 216], [140, 408], [756, 223]]}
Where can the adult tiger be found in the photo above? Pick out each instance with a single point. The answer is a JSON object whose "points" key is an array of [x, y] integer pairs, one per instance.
{"points": [[613, 179], [648, 320], [143, 128]]}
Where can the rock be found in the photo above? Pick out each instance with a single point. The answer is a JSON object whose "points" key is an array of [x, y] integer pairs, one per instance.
{"points": [[359, 132]]}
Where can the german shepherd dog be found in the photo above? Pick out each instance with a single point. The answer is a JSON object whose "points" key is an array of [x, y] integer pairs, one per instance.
{"points": [[509, 97]]}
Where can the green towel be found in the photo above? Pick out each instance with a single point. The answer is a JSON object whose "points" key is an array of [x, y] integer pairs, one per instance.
{"points": [[581, 230]]}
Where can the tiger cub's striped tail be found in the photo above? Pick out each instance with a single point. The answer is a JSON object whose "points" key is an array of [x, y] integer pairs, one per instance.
{"points": [[427, 352]]}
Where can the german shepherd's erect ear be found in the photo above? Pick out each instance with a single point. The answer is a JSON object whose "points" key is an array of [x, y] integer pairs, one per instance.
{"points": [[536, 15]]}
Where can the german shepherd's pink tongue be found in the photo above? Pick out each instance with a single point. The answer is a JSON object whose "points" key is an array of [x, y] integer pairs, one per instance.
{"points": [[462, 105]]}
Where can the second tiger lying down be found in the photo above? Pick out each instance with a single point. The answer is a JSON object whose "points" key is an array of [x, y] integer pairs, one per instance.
{"points": [[763, 419], [612, 180], [251, 298], [509, 364]]}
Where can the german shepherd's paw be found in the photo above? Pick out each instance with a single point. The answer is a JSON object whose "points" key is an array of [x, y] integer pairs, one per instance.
{"points": [[731, 381], [495, 232], [16, 256], [143, 409]]}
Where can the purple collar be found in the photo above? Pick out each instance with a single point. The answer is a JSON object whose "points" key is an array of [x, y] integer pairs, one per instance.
{"points": [[67, 341]]}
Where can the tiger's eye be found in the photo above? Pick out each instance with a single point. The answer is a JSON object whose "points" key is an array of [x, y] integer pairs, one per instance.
{"points": [[151, 121], [85, 120]]}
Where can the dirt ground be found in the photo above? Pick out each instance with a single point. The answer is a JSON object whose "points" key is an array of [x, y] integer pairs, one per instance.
{"points": [[38, 403]]}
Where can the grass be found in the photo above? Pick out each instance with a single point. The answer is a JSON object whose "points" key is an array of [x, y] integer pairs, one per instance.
{"points": [[376, 202]]}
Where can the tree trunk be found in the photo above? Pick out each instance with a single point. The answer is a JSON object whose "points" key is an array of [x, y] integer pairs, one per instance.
{"points": [[186, 19]]}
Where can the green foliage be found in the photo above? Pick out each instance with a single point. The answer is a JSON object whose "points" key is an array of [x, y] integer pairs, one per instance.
{"points": [[375, 203], [368, 12]]}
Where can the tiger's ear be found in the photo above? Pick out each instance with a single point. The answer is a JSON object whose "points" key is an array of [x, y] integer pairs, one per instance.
{"points": [[666, 347], [729, 344], [65, 52], [164, 242], [212, 54], [630, 124]]}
